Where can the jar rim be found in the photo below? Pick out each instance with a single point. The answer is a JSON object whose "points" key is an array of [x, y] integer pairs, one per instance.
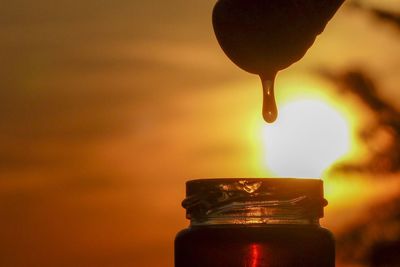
{"points": [[261, 199]]}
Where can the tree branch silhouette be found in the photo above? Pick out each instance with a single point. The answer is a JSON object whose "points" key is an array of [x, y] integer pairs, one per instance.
{"points": [[373, 240], [380, 14], [387, 118]]}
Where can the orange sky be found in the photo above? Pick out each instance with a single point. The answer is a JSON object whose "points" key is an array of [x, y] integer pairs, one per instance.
{"points": [[107, 108]]}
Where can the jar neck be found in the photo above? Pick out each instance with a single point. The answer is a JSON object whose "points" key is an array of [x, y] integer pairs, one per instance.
{"points": [[262, 212], [254, 201]]}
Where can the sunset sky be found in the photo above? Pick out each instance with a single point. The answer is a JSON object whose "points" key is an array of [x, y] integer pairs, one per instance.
{"points": [[108, 107]]}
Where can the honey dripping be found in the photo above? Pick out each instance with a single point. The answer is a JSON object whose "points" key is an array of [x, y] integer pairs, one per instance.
{"points": [[266, 36], [269, 109]]}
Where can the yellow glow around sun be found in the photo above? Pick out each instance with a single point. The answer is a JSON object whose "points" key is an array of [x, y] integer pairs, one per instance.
{"points": [[307, 138]]}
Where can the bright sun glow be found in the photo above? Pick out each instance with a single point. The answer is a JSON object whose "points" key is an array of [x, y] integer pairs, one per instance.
{"points": [[307, 138]]}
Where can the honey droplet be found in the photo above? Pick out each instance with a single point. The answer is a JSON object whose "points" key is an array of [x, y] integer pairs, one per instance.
{"points": [[269, 109]]}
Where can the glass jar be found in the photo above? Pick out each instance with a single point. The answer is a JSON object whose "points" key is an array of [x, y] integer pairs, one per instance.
{"points": [[272, 222]]}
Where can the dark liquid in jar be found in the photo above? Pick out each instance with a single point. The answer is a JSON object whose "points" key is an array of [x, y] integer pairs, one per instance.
{"points": [[255, 246]]}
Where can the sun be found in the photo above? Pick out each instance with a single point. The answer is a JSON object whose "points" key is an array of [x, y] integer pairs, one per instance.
{"points": [[307, 138]]}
